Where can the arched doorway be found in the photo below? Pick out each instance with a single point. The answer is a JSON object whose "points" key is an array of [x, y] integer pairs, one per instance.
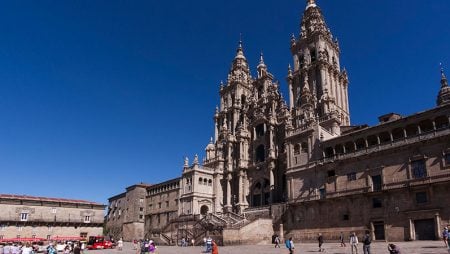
{"points": [[204, 210]]}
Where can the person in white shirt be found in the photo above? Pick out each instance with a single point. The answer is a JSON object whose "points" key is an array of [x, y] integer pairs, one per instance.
{"points": [[354, 243], [27, 249]]}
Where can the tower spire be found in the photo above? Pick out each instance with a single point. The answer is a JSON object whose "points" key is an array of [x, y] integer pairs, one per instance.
{"points": [[310, 3], [444, 81]]}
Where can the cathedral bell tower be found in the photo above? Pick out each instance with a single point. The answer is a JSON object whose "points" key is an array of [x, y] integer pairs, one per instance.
{"points": [[317, 72]]}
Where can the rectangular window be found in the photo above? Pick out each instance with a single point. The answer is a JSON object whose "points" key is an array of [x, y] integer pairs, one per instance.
{"points": [[141, 200], [346, 217], [447, 159], [421, 197], [322, 193], [87, 219], [331, 173], [141, 216], [159, 205], [141, 209], [48, 237], [418, 169], [377, 183], [351, 176], [23, 216], [377, 203], [53, 210], [167, 203]]}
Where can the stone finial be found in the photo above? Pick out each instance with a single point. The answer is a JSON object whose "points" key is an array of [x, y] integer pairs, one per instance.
{"points": [[196, 159], [310, 3], [289, 71], [186, 162]]}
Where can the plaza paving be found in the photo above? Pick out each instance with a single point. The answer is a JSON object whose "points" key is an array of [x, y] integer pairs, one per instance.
{"points": [[419, 247]]}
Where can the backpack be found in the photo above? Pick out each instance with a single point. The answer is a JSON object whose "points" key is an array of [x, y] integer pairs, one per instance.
{"points": [[288, 244], [367, 240]]}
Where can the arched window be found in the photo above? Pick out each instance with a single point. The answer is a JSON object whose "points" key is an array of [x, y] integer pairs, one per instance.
{"points": [[260, 153], [313, 54], [256, 195], [205, 181], [209, 182], [304, 147], [200, 180]]}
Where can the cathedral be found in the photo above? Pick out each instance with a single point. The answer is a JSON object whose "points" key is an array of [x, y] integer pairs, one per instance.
{"points": [[298, 167]]}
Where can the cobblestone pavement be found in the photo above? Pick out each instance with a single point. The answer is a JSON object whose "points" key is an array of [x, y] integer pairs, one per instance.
{"points": [[419, 247]]}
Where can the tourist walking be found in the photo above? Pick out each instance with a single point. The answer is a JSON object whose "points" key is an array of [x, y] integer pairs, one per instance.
{"points": [[366, 243], [354, 243], [341, 238], [290, 245], [120, 244], [208, 244], [1, 248], [277, 241], [77, 249], [7, 248], [214, 248], [320, 240], [445, 236]]}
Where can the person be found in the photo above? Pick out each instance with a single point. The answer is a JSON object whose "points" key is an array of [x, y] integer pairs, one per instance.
{"points": [[445, 235], [51, 249], [277, 241], [366, 243], [27, 249], [215, 248], [66, 250], [354, 243], [290, 245], [7, 248], [341, 238], [152, 248], [192, 242], [120, 244], [76, 249], [393, 249], [320, 240], [208, 244], [1, 248], [15, 249]]}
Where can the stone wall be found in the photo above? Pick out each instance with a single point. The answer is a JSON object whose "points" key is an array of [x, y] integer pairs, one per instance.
{"points": [[259, 231]]}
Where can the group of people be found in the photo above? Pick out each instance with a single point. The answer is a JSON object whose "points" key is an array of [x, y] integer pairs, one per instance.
{"points": [[17, 248], [28, 248], [354, 242], [146, 246], [446, 238]]}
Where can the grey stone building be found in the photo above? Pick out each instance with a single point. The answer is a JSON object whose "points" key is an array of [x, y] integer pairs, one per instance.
{"points": [[41, 217], [301, 168]]}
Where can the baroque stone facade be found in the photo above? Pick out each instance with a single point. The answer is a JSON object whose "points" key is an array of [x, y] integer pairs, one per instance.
{"points": [[302, 164], [40, 217]]}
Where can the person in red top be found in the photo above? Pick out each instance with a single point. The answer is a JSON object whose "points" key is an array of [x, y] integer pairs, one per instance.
{"points": [[215, 248]]}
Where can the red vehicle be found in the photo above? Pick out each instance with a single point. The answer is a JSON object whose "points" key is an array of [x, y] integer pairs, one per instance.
{"points": [[98, 242]]}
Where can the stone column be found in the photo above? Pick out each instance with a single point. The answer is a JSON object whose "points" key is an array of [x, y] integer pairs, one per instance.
{"points": [[272, 182], [241, 189], [288, 183], [291, 95], [281, 232], [437, 227], [228, 204]]}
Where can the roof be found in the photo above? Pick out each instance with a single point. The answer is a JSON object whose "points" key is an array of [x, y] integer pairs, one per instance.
{"points": [[47, 199]]}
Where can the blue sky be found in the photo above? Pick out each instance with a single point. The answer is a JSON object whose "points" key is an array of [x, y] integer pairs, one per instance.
{"points": [[98, 95]]}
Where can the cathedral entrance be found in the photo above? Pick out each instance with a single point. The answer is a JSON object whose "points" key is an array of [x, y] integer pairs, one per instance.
{"points": [[261, 194], [424, 229]]}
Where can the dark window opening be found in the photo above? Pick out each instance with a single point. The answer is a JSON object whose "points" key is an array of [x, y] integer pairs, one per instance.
{"points": [[447, 159], [346, 217], [441, 122], [376, 183], [304, 147], [377, 203], [259, 130], [421, 197], [296, 149], [329, 152], [331, 173], [351, 176], [260, 154], [418, 169], [322, 193], [313, 55]]}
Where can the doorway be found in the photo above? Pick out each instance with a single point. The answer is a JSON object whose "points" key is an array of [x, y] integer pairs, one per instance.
{"points": [[424, 229]]}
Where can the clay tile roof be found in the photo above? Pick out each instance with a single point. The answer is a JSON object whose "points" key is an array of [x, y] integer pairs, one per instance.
{"points": [[47, 199]]}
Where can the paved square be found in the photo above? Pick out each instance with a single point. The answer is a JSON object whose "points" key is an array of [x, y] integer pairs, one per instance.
{"points": [[419, 247]]}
